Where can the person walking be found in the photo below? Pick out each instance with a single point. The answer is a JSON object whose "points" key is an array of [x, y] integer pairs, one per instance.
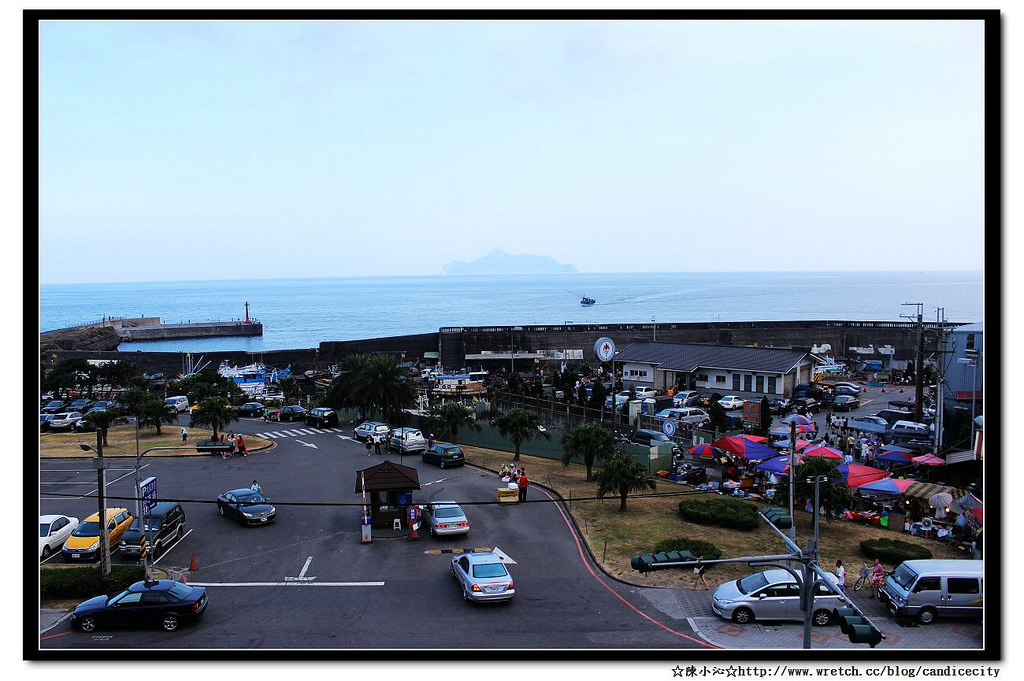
{"points": [[430, 441], [265, 412], [184, 434], [524, 482], [841, 574], [698, 576], [241, 446], [369, 446]]}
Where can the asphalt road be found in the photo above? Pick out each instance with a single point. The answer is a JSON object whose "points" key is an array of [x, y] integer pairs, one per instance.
{"points": [[306, 581]]}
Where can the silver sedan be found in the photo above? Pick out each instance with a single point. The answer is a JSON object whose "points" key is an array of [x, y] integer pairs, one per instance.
{"points": [[483, 577], [444, 518]]}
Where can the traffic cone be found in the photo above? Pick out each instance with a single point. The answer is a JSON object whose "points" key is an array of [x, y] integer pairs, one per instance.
{"points": [[192, 566]]}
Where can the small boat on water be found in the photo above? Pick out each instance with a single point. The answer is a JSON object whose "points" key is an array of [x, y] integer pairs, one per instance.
{"points": [[587, 302]]}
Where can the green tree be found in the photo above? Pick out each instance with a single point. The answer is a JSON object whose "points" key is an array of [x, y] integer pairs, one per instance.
{"points": [[214, 412], [150, 411], [519, 425], [719, 419], [374, 384], [834, 495], [597, 395], [766, 418], [622, 474], [290, 388], [117, 373], [64, 374], [102, 420], [449, 417], [587, 443]]}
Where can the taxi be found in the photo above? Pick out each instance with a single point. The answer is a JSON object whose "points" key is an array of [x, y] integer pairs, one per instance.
{"points": [[84, 542]]}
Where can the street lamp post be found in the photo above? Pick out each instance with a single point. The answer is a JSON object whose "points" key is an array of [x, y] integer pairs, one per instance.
{"points": [[101, 497], [972, 361]]}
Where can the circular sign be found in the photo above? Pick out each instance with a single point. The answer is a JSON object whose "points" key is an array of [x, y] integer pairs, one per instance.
{"points": [[669, 427], [604, 348]]}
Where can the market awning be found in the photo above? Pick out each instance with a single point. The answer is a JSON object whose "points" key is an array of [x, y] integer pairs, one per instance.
{"points": [[926, 490]]}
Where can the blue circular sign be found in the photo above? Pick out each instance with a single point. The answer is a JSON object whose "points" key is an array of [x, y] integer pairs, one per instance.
{"points": [[669, 427], [604, 348]]}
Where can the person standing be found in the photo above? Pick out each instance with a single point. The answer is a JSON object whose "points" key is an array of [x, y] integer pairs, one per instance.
{"points": [[369, 446], [698, 576], [877, 578], [265, 411], [184, 434], [430, 441], [524, 482], [241, 446], [841, 574], [255, 487], [376, 443]]}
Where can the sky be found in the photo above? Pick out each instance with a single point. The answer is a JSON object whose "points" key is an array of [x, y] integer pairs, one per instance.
{"points": [[355, 148]]}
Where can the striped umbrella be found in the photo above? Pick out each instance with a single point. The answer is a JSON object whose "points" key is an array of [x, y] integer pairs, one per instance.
{"points": [[799, 419], [778, 465], [706, 451], [893, 456], [856, 475], [887, 486], [926, 490], [897, 448], [784, 444], [784, 431], [754, 438], [744, 447], [822, 450]]}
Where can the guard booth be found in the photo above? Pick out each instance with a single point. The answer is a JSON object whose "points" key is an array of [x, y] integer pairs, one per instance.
{"points": [[389, 487]]}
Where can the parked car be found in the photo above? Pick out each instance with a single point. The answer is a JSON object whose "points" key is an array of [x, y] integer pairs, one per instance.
{"points": [[371, 428], [730, 402], [838, 390], [706, 399], [54, 407], [406, 440], [321, 417], [177, 404], [292, 412], [81, 405], [620, 399], [445, 518], [870, 424], [846, 403], [779, 405], [54, 530], [84, 542], [66, 420], [102, 405], [247, 506], [444, 456], [44, 421], [649, 438], [250, 409], [684, 398], [806, 405], [146, 603], [165, 523], [482, 577], [773, 595]]}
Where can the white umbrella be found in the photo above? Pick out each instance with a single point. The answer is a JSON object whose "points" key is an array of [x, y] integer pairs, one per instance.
{"points": [[940, 502]]}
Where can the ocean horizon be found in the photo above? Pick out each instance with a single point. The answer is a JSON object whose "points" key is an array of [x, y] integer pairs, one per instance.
{"points": [[301, 312]]}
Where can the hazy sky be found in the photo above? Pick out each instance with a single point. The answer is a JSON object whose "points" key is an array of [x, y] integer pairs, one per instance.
{"points": [[204, 150]]}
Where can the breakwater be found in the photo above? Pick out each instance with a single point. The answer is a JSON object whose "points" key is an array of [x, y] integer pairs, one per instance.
{"points": [[463, 346]]}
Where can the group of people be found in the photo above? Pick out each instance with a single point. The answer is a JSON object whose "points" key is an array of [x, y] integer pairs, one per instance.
{"points": [[876, 577], [515, 478], [237, 444]]}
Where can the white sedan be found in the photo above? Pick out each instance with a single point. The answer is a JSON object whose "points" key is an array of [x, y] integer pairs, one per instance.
{"points": [[53, 532], [730, 402]]}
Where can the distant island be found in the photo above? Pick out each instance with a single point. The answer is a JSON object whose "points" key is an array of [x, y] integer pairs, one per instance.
{"points": [[500, 262]]}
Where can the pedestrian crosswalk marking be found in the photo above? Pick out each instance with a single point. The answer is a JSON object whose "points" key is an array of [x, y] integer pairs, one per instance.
{"points": [[275, 434]]}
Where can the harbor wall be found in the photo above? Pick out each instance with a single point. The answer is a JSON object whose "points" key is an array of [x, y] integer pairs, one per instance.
{"points": [[454, 343], [191, 330]]}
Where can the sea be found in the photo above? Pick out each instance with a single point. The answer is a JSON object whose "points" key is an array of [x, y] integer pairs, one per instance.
{"points": [[302, 313]]}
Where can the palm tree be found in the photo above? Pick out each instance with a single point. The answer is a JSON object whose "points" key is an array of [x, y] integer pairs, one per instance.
{"points": [[623, 474], [215, 412], [834, 494], [373, 384], [150, 411], [449, 417], [289, 386], [587, 443], [519, 425]]}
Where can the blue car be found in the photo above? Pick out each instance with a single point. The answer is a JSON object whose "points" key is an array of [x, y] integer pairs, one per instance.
{"points": [[146, 603]]}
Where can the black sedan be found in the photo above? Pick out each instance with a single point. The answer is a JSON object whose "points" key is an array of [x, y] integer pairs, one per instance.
{"points": [[81, 405], [54, 407], [250, 409], [153, 601], [445, 456], [321, 417], [846, 403], [247, 506], [293, 412]]}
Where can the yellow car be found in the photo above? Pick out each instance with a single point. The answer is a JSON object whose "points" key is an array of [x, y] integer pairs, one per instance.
{"points": [[84, 542]]}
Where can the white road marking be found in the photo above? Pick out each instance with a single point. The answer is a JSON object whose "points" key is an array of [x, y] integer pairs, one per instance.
{"points": [[279, 434], [307, 444], [168, 549], [318, 431], [270, 435], [302, 574], [330, 584], [505, 558], [294, 432]]}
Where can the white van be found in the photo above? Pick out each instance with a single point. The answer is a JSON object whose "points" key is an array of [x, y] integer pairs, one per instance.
{"points": [[926, 589], [910, 430], [177, 404]]}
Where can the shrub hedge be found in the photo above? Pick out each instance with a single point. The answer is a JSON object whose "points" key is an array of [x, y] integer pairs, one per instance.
{"points": [[696, 547], [85, 581], [893, 551], [721, 512]]}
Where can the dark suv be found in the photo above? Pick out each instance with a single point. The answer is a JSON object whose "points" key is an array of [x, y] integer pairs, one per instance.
{"points": [[164, 524], [649, 438], [321, 417], [292, 412], [806, 405]]}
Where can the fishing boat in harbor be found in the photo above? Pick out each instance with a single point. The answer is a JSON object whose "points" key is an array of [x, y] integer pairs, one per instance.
{"points": [[587, 302]]}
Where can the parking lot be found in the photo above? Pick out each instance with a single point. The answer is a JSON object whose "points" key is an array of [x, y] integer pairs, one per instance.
{"points": [[306, 581]]}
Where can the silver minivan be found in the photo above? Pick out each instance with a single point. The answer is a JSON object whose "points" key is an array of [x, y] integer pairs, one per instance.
{"points": [[926, 589], [910, 430]]}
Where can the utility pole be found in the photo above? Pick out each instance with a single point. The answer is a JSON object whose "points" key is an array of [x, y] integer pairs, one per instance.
{"points": [[940, 319], [919, 362], [101, 471]]}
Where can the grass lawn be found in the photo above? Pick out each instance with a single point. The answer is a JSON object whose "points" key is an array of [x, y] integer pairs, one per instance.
{"points": [[616, 537], [121, 442]]}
